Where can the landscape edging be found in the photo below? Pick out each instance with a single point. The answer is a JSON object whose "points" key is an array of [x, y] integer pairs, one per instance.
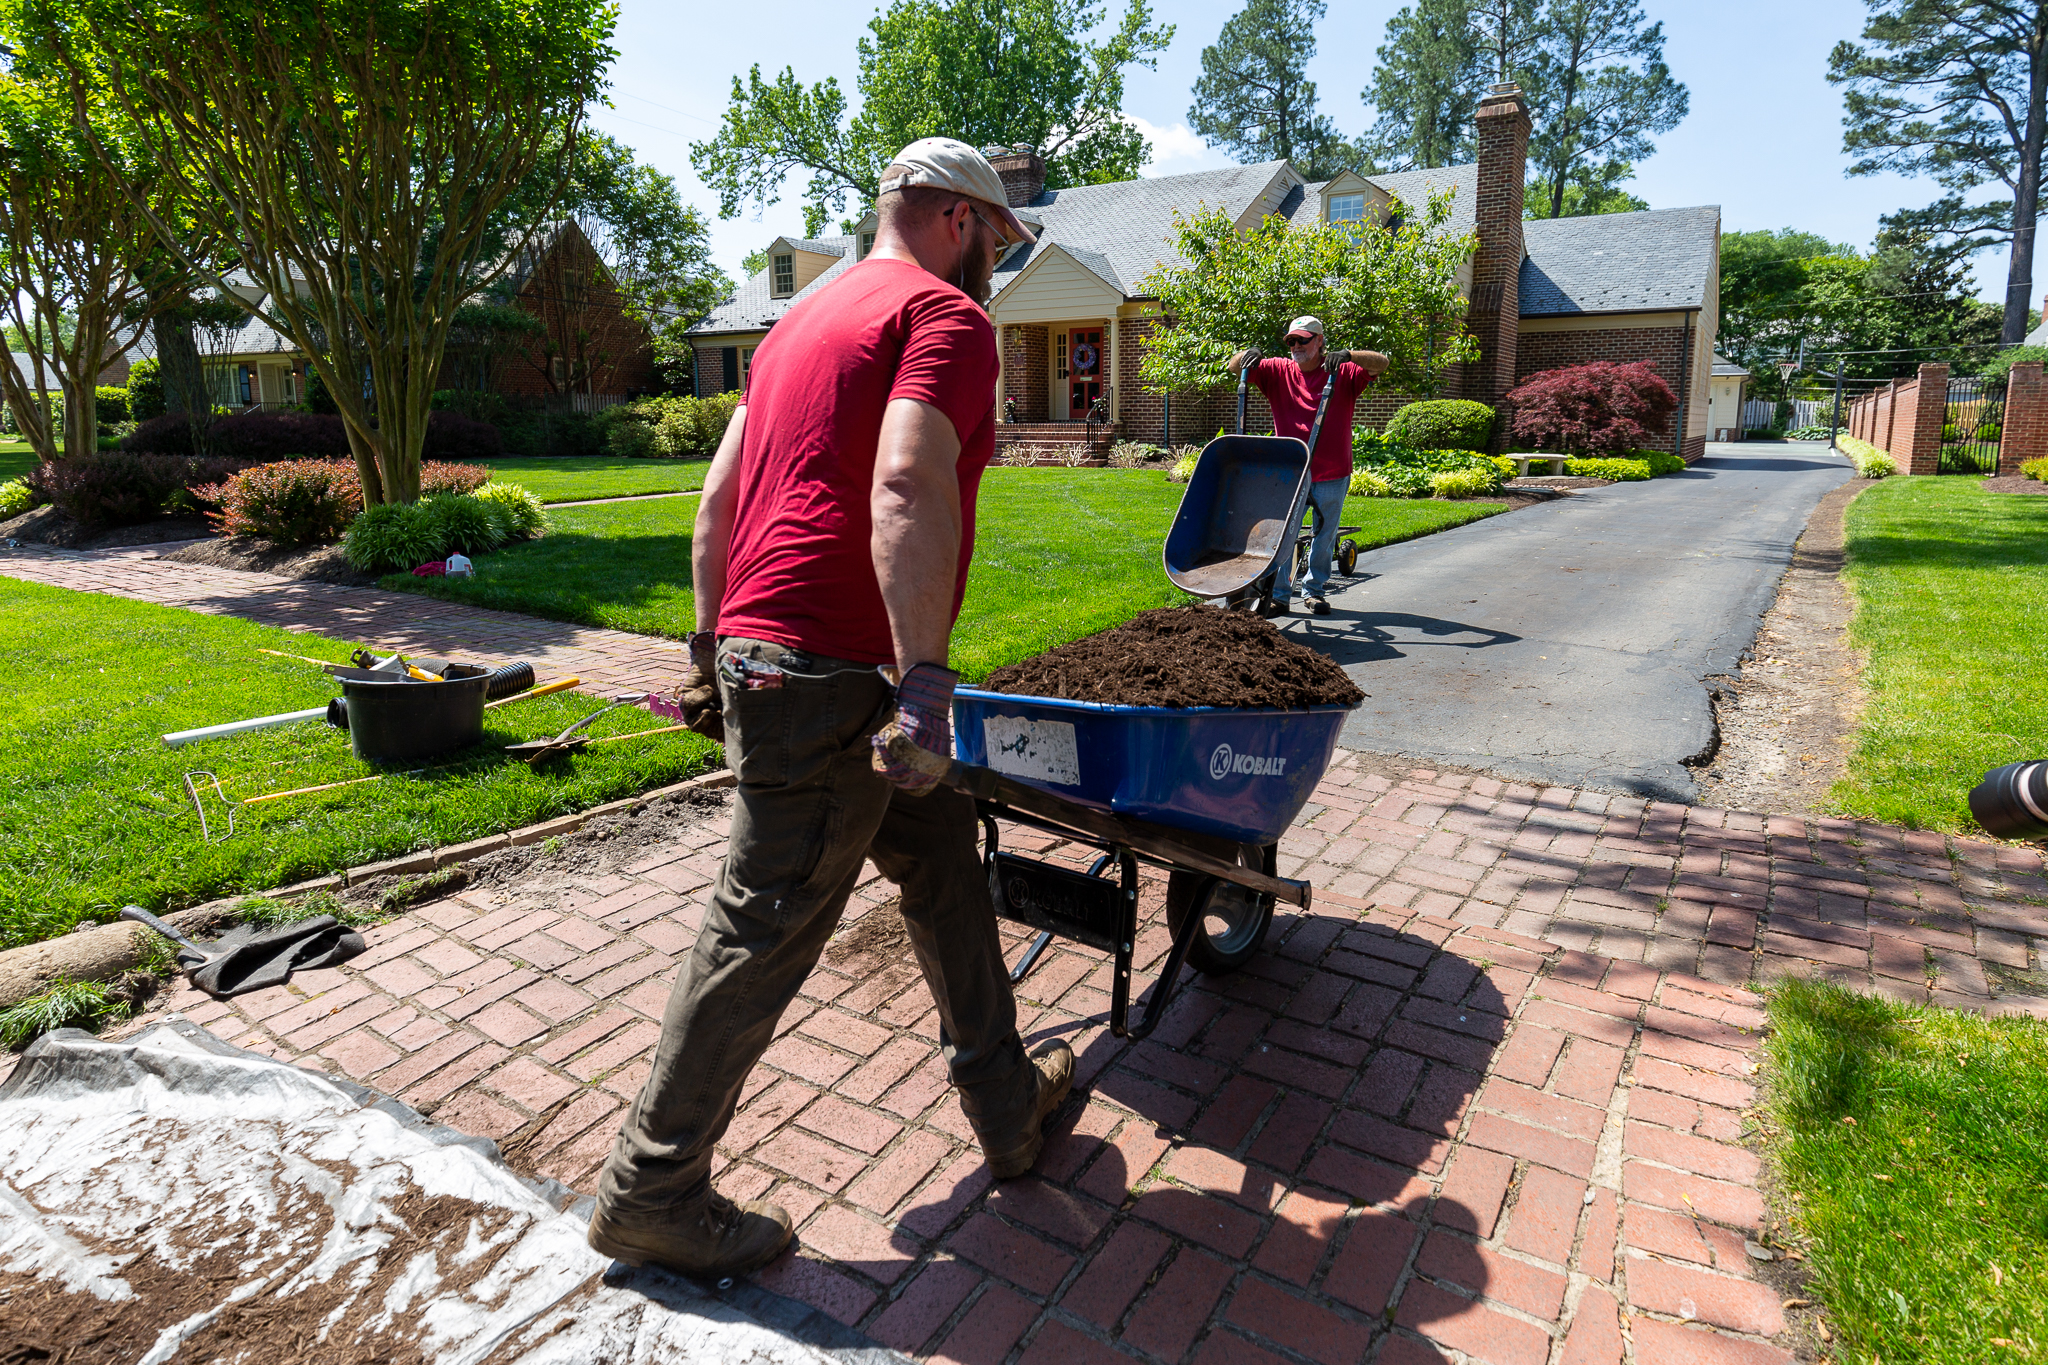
{"points": [[102, 952]]}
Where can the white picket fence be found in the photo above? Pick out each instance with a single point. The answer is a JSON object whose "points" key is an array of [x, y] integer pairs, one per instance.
{"points": [[1758, 413]]}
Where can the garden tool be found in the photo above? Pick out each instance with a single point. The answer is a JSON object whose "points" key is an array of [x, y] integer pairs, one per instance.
{"points": [[558, 685], [535, 751], [249, 958]]}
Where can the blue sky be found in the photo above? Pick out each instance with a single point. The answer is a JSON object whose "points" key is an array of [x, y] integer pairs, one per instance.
{"points": [[1763, 139]]}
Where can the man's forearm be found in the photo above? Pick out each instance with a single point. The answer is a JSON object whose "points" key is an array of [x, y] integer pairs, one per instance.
{"points": [[915, 508], [711, 541]]}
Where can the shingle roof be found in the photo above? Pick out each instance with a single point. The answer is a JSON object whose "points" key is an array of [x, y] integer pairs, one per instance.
{"points": [[2039, 336], [837, 246], [1724, 368], [1619, 262], [1413, 188], [752, 308]]}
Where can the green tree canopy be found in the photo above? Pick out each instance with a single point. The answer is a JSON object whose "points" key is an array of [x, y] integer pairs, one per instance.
{"points": [[1425, 87], [1392, 290], [1598, 192], [1013, 73], [1957, 91], [354, 156], [1254, 98]]}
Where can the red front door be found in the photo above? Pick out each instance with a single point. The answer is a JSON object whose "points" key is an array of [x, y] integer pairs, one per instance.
{"points": [[1084, 374]]}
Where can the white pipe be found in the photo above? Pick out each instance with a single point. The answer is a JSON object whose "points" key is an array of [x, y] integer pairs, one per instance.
{"points": [[235, 727]]}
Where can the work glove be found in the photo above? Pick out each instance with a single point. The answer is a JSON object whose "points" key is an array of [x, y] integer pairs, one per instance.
{"points": [[1241, 359], [1336, 358], [914, 750], [701, 709]]}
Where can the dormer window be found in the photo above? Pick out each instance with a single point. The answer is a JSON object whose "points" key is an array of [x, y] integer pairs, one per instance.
{"points": [[867, 244], [1347, 208], [785, 275]]}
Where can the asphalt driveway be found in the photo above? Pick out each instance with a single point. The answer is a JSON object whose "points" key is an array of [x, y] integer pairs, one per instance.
{"points": [[1571, 643]]}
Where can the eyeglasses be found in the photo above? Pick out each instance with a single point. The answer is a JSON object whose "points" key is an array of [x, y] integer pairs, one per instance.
{"points": [[1003, 239]]}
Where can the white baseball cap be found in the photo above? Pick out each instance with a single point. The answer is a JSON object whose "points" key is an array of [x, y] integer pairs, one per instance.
{"points": [[944, 163], [1304, 326]]}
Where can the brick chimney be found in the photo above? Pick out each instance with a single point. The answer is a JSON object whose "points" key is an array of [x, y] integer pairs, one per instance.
{"points": [[1495, 316], [1022, 170]]}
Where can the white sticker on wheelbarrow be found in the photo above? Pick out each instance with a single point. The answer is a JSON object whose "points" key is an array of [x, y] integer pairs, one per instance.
{"points": [[1022, 747], [1225, 762]]}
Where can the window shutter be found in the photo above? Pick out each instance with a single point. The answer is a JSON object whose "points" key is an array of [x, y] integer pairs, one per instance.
{"points": [[732, 368]]}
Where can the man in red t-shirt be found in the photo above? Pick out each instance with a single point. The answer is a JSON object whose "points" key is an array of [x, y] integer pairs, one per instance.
{"points": [[1293, 387], [831, 547]]}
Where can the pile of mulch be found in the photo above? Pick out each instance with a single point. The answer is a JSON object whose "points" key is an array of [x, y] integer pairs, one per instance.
{"points": [[311, 563], [2014, 483], [46, 525], [1184, 656]]}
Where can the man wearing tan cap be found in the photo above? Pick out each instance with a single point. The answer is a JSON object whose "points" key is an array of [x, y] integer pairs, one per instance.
{"points": [[830, 556], [1293, 387]]}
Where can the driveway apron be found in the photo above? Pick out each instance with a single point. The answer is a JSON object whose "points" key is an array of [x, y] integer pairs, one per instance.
{"points": [[1572, 643]]}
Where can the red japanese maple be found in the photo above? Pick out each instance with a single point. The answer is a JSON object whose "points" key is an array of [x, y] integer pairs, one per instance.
{"points": [[1595, 409]]}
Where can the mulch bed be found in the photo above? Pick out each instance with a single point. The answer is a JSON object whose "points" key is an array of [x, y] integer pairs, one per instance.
{"points": [[1184, 656], [2014, 483], [48, 526], [311, 563]]}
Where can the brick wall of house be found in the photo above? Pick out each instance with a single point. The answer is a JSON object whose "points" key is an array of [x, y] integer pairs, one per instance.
{"points": [[1025, 378], [1197, 415], [2026, 418], [572, 294], [1663, 347]]}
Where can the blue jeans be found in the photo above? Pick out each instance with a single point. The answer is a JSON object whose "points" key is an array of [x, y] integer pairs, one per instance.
{"points": [[1326, 506]]}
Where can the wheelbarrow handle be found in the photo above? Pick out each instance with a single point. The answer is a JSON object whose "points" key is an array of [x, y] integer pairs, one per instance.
{"points": [[1157, 841]]}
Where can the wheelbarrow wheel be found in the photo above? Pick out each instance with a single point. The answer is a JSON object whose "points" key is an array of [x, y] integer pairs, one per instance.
{"points": [[1347, 557], [1234, 920]]}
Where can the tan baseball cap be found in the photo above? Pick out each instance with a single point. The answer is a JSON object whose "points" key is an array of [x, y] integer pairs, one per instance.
{"points": [[1304, 327], [944, 163]]}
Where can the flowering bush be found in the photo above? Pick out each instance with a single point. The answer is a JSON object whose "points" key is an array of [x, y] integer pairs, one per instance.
{"points": [[1595, 409], [291, 502]]}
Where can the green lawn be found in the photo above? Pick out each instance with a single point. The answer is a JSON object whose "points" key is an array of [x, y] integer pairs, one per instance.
{"points": [[1059, 554], [16, 459], [572, 479], [1914, 1144], [93, 802], [1951, 587]]}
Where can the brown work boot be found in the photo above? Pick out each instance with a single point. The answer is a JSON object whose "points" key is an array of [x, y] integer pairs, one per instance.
{"points": [[1013, 1152], [715, 1239]]}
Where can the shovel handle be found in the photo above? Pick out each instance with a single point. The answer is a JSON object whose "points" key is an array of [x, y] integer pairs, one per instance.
{"points": [[149, 921], [558, 685]]}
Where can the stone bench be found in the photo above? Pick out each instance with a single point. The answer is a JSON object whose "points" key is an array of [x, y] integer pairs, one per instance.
{"points": [[1522, 463]]}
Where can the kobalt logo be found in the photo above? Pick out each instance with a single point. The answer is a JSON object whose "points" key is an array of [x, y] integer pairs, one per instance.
{"points": [[1224, 761]]}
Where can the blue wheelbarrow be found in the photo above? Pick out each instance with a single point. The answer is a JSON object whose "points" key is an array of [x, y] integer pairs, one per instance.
{"points": [[1204, 792]]}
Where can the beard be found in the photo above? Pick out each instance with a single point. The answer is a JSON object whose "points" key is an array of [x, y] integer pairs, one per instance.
{"points": [[977, 269]]}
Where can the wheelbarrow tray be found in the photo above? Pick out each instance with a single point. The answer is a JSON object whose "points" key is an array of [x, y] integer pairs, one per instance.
{"points": [[1233, 518], [1236, 773]]}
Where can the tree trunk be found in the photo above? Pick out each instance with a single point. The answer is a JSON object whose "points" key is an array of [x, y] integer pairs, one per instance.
{"points": [[2026, 202], [81, 415], [183, 377]]}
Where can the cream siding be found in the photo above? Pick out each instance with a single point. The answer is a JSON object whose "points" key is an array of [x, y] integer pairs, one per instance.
{"points": [[1055, 288]]}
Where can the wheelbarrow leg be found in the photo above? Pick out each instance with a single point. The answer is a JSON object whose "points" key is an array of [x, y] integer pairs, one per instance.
{"points": [[1164, 989], [1126, 944], [1030, 958]]}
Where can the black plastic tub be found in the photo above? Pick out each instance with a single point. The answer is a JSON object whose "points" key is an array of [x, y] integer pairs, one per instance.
{"points": [[391, 722]]}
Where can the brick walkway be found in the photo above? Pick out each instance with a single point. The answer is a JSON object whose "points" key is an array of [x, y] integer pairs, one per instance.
{"points": [[1403, 1130], [606, 660]]}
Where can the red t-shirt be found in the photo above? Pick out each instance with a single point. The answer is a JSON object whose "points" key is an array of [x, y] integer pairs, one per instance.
{"points": [[800, 570], [1293, 397]]}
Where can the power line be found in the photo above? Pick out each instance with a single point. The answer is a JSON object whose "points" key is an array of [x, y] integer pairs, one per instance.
{"points": [[670, 107]]}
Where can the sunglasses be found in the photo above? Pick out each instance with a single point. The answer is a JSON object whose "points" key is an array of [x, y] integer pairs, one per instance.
{"points": [[1302, 345]]}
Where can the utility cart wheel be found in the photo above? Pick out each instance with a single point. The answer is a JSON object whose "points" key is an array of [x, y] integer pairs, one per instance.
{"points": [[1234, 920], [1347, 557]]}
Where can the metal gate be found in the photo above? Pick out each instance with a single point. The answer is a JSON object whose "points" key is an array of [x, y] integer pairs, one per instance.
{"points": [[1971, 428]]}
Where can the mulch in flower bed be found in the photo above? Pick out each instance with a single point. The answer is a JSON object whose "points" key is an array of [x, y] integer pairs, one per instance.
{"points": [[2014, 483], [46, 525], [312, 563], [1184, 656]]}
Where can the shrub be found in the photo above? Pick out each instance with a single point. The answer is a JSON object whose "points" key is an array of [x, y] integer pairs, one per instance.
{"points": [[16, 497], [1989, 431], [1461, 483], [1762, 433], [167, 433], [631, 439], [292, 502], [391, 536], [691, 428], [1407, 473], [1442, 424], [270, 436], [440, 476], [452, 436], [1870, 462], [110, 404], [1184, 468], [120, 489], [2036, 470], [145, 390], [462, 525], [1366, 484], [1598, 408], [519, 514], [1621, 471], [1818, 431]]}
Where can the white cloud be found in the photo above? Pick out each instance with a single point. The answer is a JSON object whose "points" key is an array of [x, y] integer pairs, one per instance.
{"points": [[1176, 148]]}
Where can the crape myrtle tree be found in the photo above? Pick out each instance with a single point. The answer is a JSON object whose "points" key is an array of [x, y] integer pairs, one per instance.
{"points": [[1012, 73], [1955, 90], [1254, 98], [79, 269], [1384, 288], [354, 154]]}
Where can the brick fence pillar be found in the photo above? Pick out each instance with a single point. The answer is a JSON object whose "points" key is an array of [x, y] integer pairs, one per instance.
{"points": [[2025, 436], [1923, 424]]}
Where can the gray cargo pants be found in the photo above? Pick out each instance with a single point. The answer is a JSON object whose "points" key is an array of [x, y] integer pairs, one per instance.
{"points": [[809, 808]]}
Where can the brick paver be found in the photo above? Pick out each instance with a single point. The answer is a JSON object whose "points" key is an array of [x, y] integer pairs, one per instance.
{"points": [[606, 660]]}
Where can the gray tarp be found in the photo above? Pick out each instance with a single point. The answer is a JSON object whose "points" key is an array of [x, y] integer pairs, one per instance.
{"points": [[199, 1192]]}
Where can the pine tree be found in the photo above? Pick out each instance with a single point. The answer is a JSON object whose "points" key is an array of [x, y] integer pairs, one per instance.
{"points": [[1425, 89], [1600, 88], [1254, 98]]}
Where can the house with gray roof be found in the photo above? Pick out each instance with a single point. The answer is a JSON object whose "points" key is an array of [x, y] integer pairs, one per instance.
{"points": [[1073, 319]]}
